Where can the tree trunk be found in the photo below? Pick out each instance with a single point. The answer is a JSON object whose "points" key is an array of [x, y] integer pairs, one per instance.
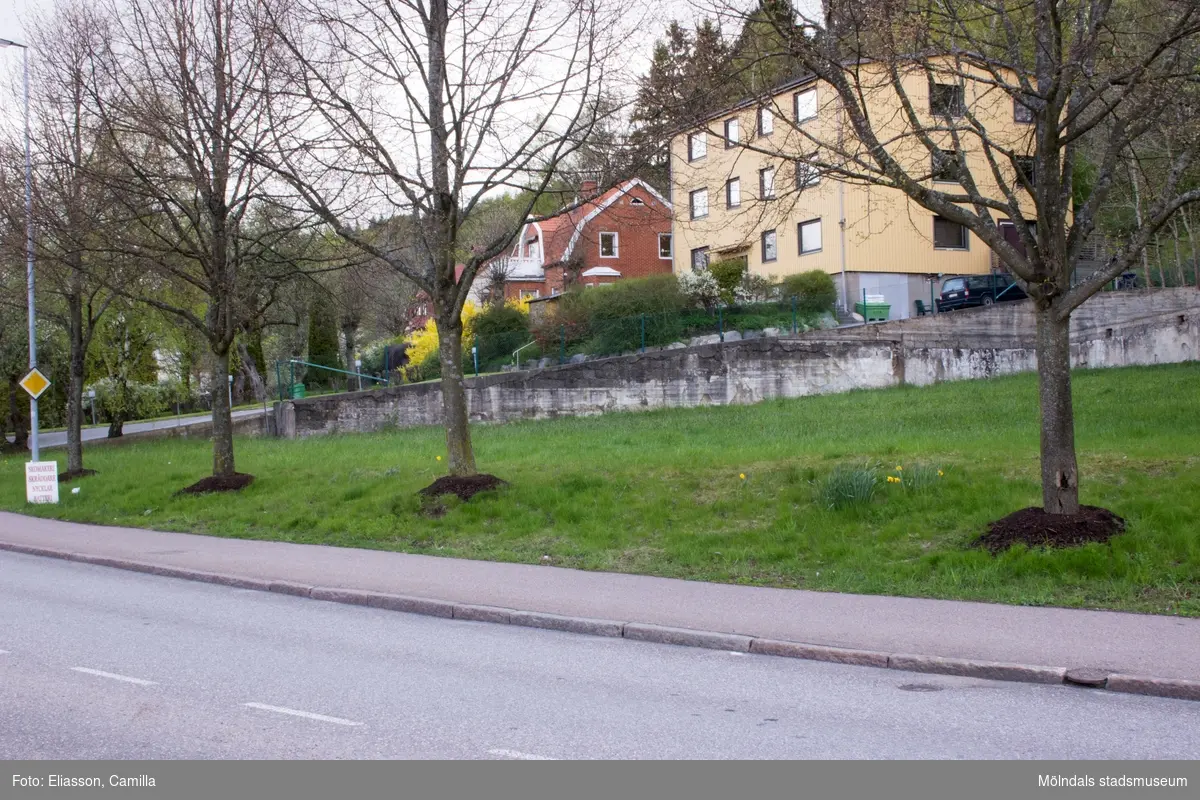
{"points": [[251, 374], [454, 398], [16, 417], [75, 385], [116, 428], [222, 420], [1060, 471], [348, 331]]}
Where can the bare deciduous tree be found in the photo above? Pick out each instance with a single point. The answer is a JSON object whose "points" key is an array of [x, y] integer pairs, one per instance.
{"points": [[422, 109], [1001, 101], [187, 107], [71, 208]]}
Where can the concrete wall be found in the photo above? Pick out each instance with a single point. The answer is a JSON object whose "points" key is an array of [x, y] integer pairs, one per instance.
{"points": [[1113, 329]]}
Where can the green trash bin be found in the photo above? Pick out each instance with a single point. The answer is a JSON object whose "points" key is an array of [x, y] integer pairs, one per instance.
{"points": [[873, 312], [297, 391]]}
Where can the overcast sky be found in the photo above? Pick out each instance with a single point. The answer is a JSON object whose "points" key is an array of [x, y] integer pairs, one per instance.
{"points": [[10, 12]]}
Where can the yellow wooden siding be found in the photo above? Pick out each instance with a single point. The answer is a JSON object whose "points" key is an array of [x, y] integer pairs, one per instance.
{"points": [[885, 231]]}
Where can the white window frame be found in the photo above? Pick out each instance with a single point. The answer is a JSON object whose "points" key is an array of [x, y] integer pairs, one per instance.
{"points": [[766, 121], [692, 195], [670, 246], [530, 294], [736, 185], [616, 244], [766, 183], [796, 100], [697, 145], [812, 224], [732, 141]]}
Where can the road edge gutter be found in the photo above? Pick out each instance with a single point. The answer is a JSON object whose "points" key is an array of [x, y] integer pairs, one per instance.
{"points": [[646, 632]]}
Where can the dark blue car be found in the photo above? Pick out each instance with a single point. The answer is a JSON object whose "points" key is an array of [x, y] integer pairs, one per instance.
{"points": [[978, 290]]}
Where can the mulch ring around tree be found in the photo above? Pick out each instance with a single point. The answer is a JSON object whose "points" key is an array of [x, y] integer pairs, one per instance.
{"points": [[74, 474], [1035, 528], [219, 483], [464, 486]]}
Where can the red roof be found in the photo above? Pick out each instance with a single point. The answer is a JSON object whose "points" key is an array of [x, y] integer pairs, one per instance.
{"points": [[558, 230]]}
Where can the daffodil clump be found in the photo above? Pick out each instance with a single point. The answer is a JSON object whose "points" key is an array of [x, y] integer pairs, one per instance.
{"points": [[918, 478]]}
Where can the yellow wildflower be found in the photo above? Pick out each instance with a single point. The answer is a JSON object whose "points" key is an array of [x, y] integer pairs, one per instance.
{"points": [[742, 475], [439, 458], [899, 468], [940, 473]]}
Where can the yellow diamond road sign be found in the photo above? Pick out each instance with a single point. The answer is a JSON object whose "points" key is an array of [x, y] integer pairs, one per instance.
{"points": [[35, 383]]}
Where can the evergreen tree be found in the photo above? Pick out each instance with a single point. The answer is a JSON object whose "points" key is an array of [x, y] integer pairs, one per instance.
{"points": [[688, 79], [322, 341], [761, 59]]}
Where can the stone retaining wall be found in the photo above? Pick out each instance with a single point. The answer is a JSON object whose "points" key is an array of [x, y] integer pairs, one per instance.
{"points": [[1111, 329]]}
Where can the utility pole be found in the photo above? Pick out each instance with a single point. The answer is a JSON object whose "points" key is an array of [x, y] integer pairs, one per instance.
{"points": [[33, 403]]}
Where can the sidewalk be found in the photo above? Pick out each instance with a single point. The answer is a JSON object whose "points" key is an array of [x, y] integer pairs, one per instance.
{"points": [[1131, 644]]}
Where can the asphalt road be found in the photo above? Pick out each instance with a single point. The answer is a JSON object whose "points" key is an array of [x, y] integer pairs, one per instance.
{"points": [[98, 663], [59, 438]]}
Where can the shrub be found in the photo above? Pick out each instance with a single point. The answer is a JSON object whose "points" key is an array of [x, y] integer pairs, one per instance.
{"points": [[847, 487], [814, 290], [653, 295], [728, 275], [123, 400], [700, 289], [755, 289], [424, 342]]}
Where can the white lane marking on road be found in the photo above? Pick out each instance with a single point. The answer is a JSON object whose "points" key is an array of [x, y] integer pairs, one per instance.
{"points": [[517, 755], [102, 674], [736, 653], [3, 652], [305, 714]]}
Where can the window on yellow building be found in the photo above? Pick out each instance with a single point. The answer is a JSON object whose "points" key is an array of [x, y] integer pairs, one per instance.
{"points": [[766, 183], [805, 104], [948, 235], [766, 121], [809, 235], [769, 249]]}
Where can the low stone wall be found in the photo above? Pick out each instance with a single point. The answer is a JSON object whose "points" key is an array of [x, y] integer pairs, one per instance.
{"points": [[257, 425], [1112, 329]]}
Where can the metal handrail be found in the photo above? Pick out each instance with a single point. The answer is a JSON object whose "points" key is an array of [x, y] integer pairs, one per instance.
{"points": [[332, 369], [517, 353]]}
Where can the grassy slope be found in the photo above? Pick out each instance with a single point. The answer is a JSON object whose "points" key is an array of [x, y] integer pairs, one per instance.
{"points": [[660, 492]]}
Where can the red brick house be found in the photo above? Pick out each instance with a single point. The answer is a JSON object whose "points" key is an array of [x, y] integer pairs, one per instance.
{"points": [[420, 308], [624, 232]]}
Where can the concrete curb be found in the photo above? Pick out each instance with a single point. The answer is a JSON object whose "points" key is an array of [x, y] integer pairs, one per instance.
{"points": [[646, 632]]}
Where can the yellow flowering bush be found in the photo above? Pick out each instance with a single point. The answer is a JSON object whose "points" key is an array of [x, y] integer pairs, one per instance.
{"points": [[423, 343]]}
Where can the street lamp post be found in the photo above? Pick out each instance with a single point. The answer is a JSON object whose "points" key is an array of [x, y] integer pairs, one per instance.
{"points": [[33, 403]]}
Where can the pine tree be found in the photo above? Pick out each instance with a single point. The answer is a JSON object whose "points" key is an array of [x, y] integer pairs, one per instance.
{"points": [[761, 59], [322, 341]]}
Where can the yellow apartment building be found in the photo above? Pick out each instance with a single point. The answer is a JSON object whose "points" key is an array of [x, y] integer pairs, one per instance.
{"points": [[743, 185]]}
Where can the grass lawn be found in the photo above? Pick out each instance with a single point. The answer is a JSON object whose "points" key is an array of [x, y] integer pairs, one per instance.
{"points": [[661, 492]]}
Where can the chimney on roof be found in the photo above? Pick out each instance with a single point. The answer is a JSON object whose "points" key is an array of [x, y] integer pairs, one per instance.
{"points": [[588, 189]]}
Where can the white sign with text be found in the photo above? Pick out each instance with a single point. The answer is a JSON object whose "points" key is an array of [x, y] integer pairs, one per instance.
{"points": [[41, 481]]}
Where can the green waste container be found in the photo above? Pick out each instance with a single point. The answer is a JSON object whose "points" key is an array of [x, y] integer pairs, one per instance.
{"points": [[297, 391], [873, 312]]}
